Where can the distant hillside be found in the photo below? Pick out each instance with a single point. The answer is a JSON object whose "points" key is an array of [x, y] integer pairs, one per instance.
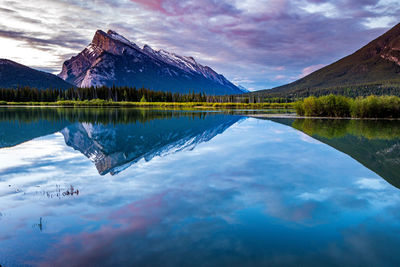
{"points": [[13, 75], [376, 65]]}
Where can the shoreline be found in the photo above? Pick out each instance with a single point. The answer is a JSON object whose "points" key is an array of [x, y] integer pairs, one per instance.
{"points": [[184, 106], [197, 105], [289, 116]]}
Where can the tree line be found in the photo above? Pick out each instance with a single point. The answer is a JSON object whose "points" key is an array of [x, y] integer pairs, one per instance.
{"points": [[353, 91], [118, 94], [131, 94], [128, 94]]}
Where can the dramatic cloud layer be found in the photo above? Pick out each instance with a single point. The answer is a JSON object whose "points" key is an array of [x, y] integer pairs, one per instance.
{"points": [[255, 43]]}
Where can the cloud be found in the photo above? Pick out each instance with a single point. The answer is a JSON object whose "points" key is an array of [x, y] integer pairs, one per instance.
{"points": [[279, 68], [189, 7], [326, 9], [310, 69], [165, 212], [248, 38], [279, 77], [371, 183], [380, 22], [63, 38]]}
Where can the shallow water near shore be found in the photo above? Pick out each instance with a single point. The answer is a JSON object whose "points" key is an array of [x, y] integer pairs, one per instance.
{"points": [[107, 187]]}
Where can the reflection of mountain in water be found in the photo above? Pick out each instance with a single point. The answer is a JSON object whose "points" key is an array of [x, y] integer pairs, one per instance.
{"points": [[113, 148], [114, 138], [375, 144], [13, 133]]}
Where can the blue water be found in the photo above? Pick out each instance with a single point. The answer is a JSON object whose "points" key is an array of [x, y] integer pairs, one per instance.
{"points": [[188, 189]]}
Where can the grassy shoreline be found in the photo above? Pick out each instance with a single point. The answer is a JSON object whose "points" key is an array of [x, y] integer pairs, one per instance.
{"points": [[331, 106], [345, 107], [104, 103]]}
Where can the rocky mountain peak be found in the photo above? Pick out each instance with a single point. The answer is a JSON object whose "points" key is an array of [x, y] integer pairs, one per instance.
{"points": [[111, 59], [147, 49], [110, 32], [99, 38], [112, 42]]}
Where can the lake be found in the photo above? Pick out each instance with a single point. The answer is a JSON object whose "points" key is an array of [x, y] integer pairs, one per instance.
{"points": [[108, 187]]}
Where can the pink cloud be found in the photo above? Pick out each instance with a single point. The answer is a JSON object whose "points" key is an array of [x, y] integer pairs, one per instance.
{"points": [[279, 68], [232, 37], [275, 35], [188, 7], [279, 77], [82, 248], [156, 5], [310, 69]]}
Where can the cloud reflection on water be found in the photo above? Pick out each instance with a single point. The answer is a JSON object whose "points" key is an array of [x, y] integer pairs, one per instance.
{"points": [[240, 199]]}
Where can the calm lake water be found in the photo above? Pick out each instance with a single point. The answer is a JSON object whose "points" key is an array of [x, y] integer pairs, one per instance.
{"points": [[108, 187]]}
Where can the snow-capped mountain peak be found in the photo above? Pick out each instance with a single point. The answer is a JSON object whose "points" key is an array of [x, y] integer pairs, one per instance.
{"points": [[148, 50], [111, 59], [113, 43], [121, 38]]}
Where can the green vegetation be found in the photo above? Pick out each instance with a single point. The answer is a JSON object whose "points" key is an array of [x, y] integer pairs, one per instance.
{"points": [[115, 94], [143, 99], [127, 96], [179, 105], [324, 106], [340, 106], [355, 90]]}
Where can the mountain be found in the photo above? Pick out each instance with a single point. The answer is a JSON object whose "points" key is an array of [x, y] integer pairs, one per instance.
{"points": [[376, 63], [243, 89], [13, 74], [111, 59], [113, 148]]}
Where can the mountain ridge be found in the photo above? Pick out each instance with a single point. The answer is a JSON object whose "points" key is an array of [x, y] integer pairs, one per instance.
{"points": [[14, 75], [111, 59], [377, 62]]}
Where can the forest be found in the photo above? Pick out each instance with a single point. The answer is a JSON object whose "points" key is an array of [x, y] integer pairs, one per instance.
{"points": [[124, 95], [353, 91], [332, 105], [116, 94]]}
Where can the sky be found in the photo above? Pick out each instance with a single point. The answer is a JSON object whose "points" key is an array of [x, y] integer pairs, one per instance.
{"points": [[258, 44]]}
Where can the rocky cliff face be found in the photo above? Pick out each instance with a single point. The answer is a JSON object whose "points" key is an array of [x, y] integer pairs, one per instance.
{"points": [[391, 52], [111, 59]]}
